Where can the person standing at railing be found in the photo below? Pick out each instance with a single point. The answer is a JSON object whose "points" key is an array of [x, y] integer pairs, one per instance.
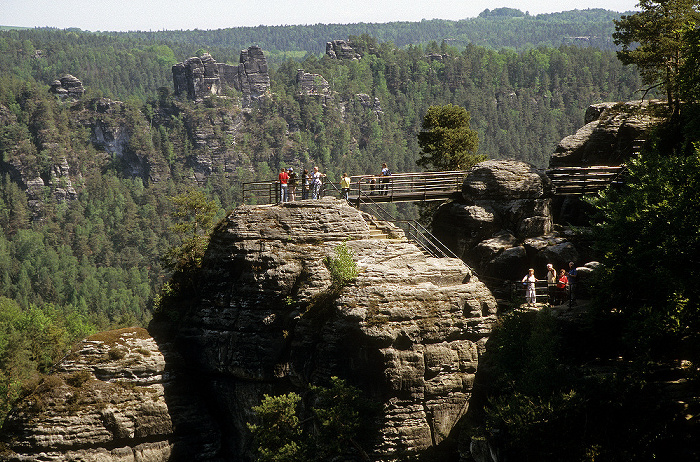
{"points": [[305, 182], [562, 285], [384, 181], [345, 186], [573, 276], [551, 283], [292, 184], [283, 178], [317, 182], [529, 281]]}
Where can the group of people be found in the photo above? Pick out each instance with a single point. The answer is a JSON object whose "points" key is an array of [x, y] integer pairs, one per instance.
{"points": [[559, 287], [310, 183], [384, 175]]}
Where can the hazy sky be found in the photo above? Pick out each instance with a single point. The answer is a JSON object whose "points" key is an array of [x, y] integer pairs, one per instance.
{"points": [[110, 15]]}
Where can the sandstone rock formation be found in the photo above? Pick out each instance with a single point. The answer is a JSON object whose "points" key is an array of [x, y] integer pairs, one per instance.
{"points": [[503, 203], [341, 49], [202, 76], [265, 318], [313, 85], [409, 331], [613, 132], [104, 402], [67, 86]]}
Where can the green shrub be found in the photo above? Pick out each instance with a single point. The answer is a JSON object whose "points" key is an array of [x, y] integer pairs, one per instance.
{"points": [[342, 266]]}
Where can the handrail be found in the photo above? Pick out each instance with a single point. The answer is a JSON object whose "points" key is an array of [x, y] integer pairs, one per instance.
{"points": [[416, 233], [412, 186]]}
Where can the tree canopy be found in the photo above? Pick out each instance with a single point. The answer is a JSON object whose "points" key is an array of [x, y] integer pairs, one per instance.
{"points": [[652, 39], [446, 140]]}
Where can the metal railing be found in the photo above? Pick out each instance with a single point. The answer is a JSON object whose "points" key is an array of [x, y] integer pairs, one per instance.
{"points": [[414, 231], [421, 186], [406, 186], [584, 180]]}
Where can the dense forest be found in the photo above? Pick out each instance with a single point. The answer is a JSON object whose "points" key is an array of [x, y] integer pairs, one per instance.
{"points": [[72, 265]]}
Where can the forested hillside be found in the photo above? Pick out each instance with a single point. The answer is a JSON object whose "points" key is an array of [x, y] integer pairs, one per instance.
{"points": [[69, 265]]}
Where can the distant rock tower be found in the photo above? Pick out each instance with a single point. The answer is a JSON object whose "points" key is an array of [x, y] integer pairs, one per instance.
{"points": [[201, 76], [67, 86]]}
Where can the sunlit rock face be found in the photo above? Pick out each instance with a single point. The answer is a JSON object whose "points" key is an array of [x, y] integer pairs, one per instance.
{"points": [[409, 332]]}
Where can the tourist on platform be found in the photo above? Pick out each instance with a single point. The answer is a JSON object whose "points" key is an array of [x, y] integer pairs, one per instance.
{"points": [[573, 281], [529, 281], [562, 285], [384, 181], [283, 178], [345, 186], [291, 184], [305, 182], [551, 283], [317, 182]]}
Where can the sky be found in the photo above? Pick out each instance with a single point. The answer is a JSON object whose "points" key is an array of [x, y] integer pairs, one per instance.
{"points": [[153, 15]]}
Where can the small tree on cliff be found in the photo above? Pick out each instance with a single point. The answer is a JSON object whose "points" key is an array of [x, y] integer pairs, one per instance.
{"points": [[446, 140], [196, 219]]}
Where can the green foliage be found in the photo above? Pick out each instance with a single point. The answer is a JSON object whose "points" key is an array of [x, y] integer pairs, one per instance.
{"points": [[648, 235], [196, 218], [446, 140], [550, 398], [335, 420], [278, 432], [652, 39], [31, 342], [342, 266]]}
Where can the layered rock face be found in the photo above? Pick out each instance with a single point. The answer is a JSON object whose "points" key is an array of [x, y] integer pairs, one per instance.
{"points": [[613, 132], [202, 76], [504, 204], [67, 86], [265, 318], [104, 402], [341, 49], [408, 331]]}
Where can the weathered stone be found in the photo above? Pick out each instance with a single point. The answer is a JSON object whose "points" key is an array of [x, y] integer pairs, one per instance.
{"points": [[613, 132], [505, 180], [202, 76], [104, 402], [67, 86], [340, 49]]}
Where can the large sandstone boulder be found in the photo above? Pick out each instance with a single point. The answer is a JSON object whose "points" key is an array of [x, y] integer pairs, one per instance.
{"points": [[264, 317], [505, 180], [499, 197], [613, 132], [408, 331]]}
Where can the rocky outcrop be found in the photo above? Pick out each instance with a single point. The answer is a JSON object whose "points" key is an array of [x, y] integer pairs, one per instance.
{"points": [[202, 76], [313, 85], [409, 331], [613, 132], [67, 86], [104, 402], [503, 203], [341, 49]]}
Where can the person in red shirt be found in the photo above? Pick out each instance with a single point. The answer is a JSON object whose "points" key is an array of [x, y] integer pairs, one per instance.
{"points": [[562, 284], [284, 178]]}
